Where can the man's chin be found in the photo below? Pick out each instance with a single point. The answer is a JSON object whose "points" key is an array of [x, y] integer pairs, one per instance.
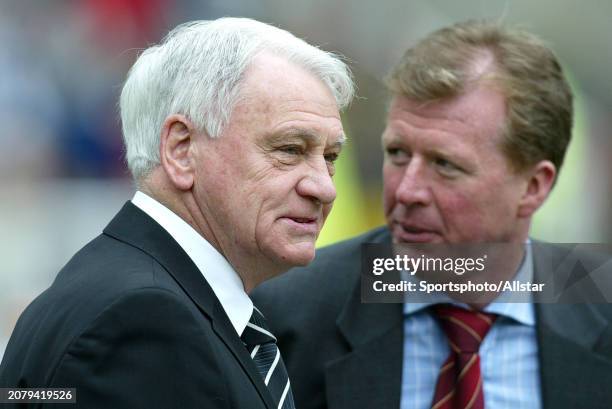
{"points": [[298, 255]]}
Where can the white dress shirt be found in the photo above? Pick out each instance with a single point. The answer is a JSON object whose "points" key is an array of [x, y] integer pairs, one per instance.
{"points": [[220, 275]]}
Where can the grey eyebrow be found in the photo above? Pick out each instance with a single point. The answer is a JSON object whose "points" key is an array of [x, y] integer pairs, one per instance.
{"points": [[341, 141], [311, 136]]}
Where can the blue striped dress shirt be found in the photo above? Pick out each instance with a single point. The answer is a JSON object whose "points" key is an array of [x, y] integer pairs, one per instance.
{"points": [[508, 354]]}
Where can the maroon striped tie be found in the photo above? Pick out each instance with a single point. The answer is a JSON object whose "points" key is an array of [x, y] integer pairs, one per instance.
{"points": [[459, 383]]}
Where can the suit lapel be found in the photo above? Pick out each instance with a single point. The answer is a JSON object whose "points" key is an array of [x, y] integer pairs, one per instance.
{"points": [[572, 372], [132, 226], [573, 365], [227, 333], [369, 374]]}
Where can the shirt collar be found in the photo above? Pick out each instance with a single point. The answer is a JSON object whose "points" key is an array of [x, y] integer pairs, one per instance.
{"points": [[523, 312], [218, 272]]}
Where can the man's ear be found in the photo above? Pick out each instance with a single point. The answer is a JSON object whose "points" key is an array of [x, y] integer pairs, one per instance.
{"points": [[540, 181], [175, 150]]}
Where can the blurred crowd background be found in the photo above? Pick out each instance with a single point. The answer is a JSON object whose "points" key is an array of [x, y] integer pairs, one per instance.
{"points": [[62, 64]]}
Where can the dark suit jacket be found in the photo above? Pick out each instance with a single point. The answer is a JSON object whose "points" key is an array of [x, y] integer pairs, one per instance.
{"points": [[130, 322], [342, 354]]}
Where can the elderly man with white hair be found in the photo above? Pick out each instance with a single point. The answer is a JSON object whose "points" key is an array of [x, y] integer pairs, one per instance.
{"points": [[231, 130]]}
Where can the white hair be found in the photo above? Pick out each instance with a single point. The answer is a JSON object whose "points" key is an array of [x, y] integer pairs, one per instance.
{"points": [[197, 71]]}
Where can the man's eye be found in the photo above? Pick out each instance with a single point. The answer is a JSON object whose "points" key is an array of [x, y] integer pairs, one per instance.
{"points": [[446, 165], [395, 152], [292, 149], [331, 157], [398, 156]]}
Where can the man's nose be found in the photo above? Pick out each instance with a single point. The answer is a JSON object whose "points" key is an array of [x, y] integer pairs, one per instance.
{"points": [[415, 186], [317, 183]]}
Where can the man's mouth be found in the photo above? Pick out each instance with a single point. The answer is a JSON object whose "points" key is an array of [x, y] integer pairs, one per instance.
{"points": [[302, 225], [410, 233], [304, 219]]}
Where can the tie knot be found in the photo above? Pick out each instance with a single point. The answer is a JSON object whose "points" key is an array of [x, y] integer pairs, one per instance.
{"points": [[465, 329], [257, 331]]}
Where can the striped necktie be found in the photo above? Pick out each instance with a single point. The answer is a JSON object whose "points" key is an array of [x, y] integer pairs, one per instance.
{"points": [[261, 344], [459, 383]]}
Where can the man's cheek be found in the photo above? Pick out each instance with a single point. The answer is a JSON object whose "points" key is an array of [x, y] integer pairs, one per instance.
{"points": [[326, 210], [391, 183], [460, 211]]}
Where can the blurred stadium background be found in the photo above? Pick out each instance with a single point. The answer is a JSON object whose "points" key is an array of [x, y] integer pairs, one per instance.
{"points": [[62, 64]]}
